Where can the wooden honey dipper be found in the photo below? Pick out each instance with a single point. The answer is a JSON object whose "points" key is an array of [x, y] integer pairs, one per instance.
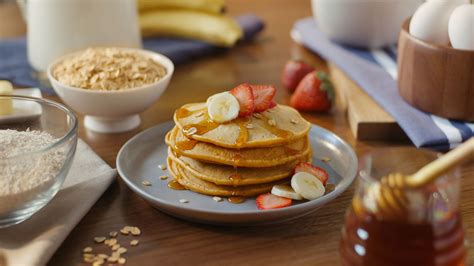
{"points": [[389, 195]]}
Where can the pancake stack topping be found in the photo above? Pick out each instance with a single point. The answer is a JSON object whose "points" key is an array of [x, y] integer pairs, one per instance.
{"points": [[242, 144]]}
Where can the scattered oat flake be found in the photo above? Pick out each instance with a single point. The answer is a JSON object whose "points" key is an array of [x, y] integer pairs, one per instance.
{"points": [[134, 242], [102, 256], [135, 231], [88, 255], [115, 247], [218, 199], [249, 126], [122, 260], [99, 239], [162, 166], [183, 200], [294, 121], [124, 231], [112, 259], [146, 183], [89, 259], [122, 250], [272, 122], [87, 250], [163, 177], [112, 242], [113, 234], [98, 262]]}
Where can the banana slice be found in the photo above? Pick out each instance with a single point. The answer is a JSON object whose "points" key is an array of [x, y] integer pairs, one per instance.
{"points": [[286, 192], [223, 107], [307, 185]]}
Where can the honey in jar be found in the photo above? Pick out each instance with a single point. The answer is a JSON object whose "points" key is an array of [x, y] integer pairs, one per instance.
{"points": [[431, 232]]}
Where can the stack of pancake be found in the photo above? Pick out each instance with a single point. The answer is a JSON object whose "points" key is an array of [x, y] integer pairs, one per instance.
{"points": [[244, 157]]}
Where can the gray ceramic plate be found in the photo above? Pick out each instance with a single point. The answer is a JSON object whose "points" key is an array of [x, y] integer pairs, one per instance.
{"points": [[139, 158]]}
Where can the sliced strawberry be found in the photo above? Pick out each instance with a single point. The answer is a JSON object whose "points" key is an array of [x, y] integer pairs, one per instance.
{"points": [[269, 201], [318, 172], [263, 96], [293, 72], [244, 95]]}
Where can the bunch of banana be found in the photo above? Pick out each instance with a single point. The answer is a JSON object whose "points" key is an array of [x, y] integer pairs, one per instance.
{"points": [[193, 19]]}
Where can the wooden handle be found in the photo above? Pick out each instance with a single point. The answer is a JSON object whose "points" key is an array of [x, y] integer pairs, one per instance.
{"points": [[442, 165]]}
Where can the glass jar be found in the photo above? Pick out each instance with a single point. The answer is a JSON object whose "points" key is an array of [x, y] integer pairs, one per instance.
{"points": [[431, 232]]}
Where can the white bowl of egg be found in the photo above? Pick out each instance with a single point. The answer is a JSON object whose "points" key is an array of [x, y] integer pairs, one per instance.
{"points": [[111, 86]]}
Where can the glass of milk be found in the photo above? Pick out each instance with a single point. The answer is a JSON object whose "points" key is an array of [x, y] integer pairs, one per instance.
{"points": [[58, 27]]}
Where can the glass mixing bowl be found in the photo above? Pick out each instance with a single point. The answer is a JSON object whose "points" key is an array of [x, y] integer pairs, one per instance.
{"points": [[30, 176]]}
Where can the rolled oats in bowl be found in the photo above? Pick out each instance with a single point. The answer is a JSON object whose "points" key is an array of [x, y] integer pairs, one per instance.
{"points": [[108, 69]]}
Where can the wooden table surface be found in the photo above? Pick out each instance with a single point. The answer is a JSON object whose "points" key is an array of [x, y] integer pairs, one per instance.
{"points": [[166, 240]]}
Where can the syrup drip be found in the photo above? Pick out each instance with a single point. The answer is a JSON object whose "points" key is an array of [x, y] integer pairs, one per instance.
{"points": [[203, 126], [183, 113], [235, 200], [236, 160], [235, 178], [281, 133], [186, 145], [173, 184], [243, 132]]}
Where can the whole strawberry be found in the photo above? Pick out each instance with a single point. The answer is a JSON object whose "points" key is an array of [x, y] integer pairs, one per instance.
{"points": [[293, 72], [314, 93]]}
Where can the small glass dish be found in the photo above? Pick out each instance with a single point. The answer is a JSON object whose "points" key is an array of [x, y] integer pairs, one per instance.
{"points": [[32, 173]]}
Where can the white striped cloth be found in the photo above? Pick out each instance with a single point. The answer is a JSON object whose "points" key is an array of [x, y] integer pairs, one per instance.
{"points": [[376, 72]]}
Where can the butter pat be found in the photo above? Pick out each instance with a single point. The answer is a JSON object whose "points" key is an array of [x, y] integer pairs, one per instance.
{"points": [[6, 105]]}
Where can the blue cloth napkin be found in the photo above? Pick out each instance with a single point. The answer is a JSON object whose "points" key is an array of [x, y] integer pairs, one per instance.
{"points": [[15, 68], [375, 71]]}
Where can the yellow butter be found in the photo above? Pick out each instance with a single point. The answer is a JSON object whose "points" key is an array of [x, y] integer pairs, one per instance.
{"points": [[6, 105]]}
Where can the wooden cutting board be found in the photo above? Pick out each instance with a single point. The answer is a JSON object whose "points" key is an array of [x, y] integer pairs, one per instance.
{"points": [[368, 121]]}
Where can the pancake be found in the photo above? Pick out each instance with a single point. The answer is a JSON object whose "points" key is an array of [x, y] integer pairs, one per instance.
{"points": [[191, 182], [229, 176], [274, 127], [250, 157]]}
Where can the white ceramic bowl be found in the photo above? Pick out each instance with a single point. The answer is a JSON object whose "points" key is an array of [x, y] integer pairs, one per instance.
{"points": [[363, 23], [113, 111]]}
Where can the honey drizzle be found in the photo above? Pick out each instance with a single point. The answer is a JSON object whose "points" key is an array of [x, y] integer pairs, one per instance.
{"points": [[236, 160], [235, 200], [281, 133], [173, 184], [186, 145], [183, 113], [235, 178], [206, 125], [203, 126], [243, 132]]}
